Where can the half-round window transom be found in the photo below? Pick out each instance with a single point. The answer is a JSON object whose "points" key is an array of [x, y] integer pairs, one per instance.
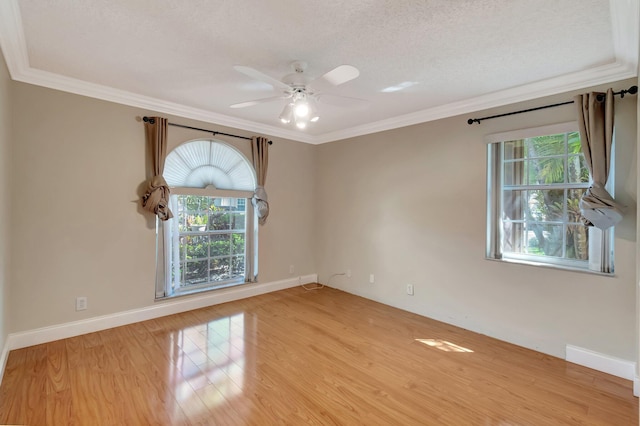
{"points": [[201, 163]]}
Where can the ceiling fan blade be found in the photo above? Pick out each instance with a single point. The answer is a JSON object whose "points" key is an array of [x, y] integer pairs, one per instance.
{"points": [[257, 75], [257, 102], [341, 74], [341, 101]]}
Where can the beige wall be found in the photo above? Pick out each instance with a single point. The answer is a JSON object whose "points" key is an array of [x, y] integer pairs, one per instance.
{"points": [[77, 168], [409, 206], [5, 136]]}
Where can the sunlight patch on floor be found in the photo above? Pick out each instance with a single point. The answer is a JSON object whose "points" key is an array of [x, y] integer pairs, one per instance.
{"points": [[443, 345]]}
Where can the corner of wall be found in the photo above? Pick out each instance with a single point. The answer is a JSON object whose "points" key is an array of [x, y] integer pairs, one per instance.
{"points": [[5, 137]]}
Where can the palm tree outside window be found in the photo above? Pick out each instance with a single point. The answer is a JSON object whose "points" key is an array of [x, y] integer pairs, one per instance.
{"points": [[535, 184]]}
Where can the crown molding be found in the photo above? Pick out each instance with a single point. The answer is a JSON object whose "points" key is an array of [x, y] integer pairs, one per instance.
{"points": [[625, 26], [97, 91], [566, 83], [626, 38], [12, 41]]}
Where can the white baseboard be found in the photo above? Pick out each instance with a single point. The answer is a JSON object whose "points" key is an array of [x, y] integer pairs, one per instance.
{"points": [[601, 362], [160, 309], [3, 358], [636, 386]]}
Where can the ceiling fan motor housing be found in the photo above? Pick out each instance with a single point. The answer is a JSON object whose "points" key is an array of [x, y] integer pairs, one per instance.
{"points": [[297, 79]]}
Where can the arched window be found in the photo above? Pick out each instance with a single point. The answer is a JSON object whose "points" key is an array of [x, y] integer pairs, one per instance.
{"points": [[211, 240]]}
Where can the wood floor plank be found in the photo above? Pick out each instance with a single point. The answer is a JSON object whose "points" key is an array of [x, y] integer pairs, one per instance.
{"points": [[57, 368], [12, 388], [295, 357]]}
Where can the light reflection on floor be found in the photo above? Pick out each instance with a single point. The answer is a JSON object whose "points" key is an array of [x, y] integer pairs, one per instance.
{"points": [[210, 361], [443, 345]]}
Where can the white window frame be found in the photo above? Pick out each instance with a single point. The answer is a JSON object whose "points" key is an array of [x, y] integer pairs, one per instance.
{"points": [[171, 235], [600, 242], [165, 288]]}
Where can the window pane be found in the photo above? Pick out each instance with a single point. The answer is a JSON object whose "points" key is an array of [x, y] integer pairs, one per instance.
{"points": [[237, 266], [514, 150], [196, 246], [577, 242], [515, 173], [574, 143], [219, 220], [514, 204], [544, 171], [545, 240], [219, 269], [237, 220], [546, 205], [196, 272], [545, 146], [573, 204], [513, 237], [197, 223], [220, 245], [577, 169], [237, 243]]}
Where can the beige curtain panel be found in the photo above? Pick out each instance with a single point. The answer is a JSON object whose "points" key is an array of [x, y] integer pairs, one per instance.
{"points": [[156, 195], [595, 117], [260, 154]]}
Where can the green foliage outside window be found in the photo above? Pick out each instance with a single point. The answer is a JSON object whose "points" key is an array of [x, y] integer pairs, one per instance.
{"points": [[541, 214], [212, 238]]}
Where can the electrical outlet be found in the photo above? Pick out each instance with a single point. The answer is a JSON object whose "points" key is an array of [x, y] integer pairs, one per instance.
{"points": [[81, 303], [410, 289], [371, 279], [291, 269], [348, 273]]}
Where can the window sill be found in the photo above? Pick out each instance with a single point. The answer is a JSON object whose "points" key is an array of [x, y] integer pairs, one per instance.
{"points": [[550, 266], [202, 289]]}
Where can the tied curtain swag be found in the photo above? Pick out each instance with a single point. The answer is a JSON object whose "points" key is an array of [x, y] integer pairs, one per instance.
{"points": [[595, 118], [156, 196], [260, 154]]}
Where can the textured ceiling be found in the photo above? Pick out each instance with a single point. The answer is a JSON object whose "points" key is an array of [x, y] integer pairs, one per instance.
{"points": [[443, 57]]}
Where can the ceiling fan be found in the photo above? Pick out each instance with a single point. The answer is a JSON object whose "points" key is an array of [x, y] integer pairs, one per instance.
{"points": [[302, 92]]}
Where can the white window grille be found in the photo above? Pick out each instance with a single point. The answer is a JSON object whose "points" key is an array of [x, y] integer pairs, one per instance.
{"points": [[211, 242], [535, 180]]}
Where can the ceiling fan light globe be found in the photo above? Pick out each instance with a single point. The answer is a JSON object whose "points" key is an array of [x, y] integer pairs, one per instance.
{"points": [[287, 114], [301, 109], [313, 112], [301, 124]]}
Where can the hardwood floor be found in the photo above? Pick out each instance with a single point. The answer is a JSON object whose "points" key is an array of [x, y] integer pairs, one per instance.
{"points": [[298, 357]]}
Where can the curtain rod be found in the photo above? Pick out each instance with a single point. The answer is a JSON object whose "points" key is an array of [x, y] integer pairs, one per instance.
{"points": [[631, 90], [152, 121]]}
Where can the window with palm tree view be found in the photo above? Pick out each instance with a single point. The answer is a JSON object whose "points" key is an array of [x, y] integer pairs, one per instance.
{"points": [[534, 193]]}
